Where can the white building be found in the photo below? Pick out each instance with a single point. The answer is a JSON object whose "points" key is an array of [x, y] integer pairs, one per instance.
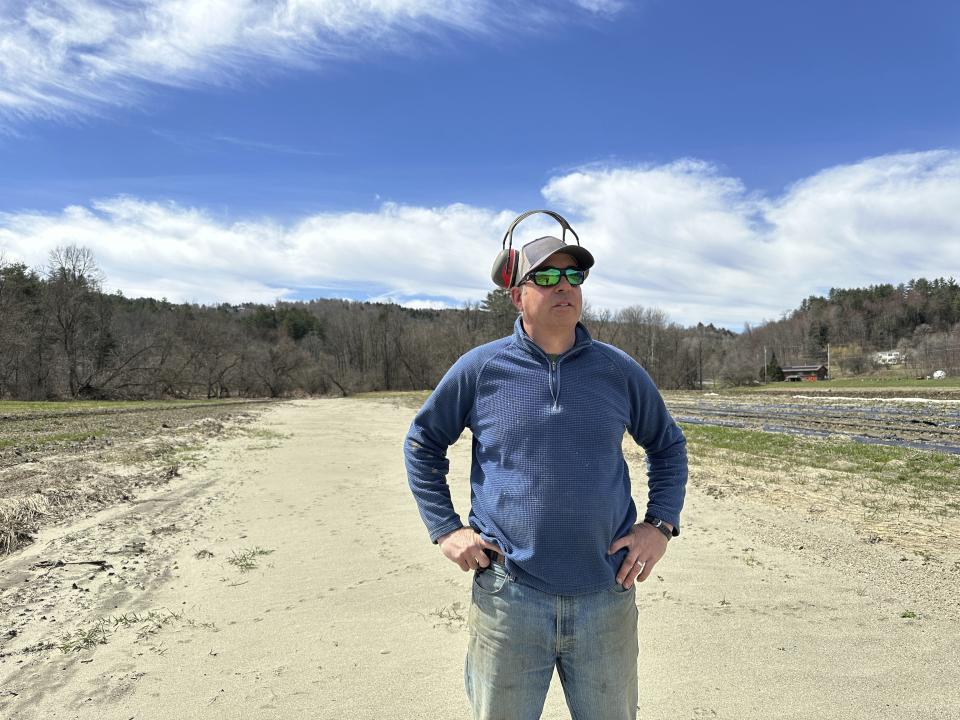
{"points": [[888, 357]]}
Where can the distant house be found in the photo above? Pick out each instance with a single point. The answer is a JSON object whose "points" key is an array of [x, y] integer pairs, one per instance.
{"points": [[888, 357], [810, 373]]}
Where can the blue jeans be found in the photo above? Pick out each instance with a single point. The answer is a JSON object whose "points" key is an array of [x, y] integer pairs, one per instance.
{"points": [[519, 634]]}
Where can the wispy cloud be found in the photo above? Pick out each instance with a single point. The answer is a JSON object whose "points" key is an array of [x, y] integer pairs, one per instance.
{"points": [[76, 56], [680, 236], [602, 7], [271, 147]]}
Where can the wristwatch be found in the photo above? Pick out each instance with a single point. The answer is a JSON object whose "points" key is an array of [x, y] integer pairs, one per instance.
{"points": [[658, 524]]}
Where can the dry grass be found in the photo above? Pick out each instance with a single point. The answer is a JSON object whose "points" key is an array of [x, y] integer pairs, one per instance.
{"points": [[19, 519], [908, 497], [145, 623], [56, 465], [398, 398], [245, 560]]}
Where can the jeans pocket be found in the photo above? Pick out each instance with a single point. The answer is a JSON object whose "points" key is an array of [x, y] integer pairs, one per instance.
{"points": [[490, 580], [618, 589]]}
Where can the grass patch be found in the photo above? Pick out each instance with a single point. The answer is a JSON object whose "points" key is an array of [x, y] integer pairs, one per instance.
{"points": [[405, 398], [752, 442], [38, 441], [945, 384], [450, 616], [923, 470], [65, 437], [86, 639], [23, 407], [245, 560], [169, 450], [269, 438], [146, 624], [263, 433]]}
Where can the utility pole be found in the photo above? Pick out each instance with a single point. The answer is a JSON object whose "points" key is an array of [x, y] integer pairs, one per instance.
{"points": [[700, 353], [828, 361], [764, 364]]}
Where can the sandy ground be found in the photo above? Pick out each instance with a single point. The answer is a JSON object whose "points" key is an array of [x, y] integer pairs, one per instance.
{"points": [[761, 609]]}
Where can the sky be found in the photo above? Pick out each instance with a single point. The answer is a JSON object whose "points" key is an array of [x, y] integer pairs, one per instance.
{"points": [[722, 161]]}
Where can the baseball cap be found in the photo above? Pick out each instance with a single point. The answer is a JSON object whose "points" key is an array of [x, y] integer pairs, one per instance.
{"points": [[536, 252]]}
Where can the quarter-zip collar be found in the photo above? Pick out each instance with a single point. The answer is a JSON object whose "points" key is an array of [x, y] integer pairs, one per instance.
{"points": [[522, 340]]}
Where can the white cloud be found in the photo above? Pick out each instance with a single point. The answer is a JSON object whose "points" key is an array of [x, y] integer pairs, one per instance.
{"points": [[892, 217], [684, 238], [681, 237], [73, 56], [601, 7], [414, 302], [185, 254]]}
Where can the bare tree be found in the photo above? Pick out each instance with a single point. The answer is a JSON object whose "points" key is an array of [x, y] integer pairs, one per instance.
{"points": [[72, 290]]}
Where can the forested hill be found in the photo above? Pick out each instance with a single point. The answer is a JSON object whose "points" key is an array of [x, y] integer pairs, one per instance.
{"points": [[880, 316], [61, 336], [919, 319]]}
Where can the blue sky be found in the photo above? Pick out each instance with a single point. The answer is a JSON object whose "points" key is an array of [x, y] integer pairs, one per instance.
{"points": [[726, 160]]}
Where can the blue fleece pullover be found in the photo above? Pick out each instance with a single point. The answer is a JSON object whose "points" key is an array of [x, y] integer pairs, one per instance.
{"points": [[549, 483]]}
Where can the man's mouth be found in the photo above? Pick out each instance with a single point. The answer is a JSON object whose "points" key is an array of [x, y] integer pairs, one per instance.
{"points": [[564, 304]]}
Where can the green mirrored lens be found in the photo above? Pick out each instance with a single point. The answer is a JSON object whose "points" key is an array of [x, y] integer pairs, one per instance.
{"points": [[546, 278], [574, 276]]}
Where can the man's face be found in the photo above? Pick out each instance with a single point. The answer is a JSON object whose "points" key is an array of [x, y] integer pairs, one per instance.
{"points": [[557, 307]]}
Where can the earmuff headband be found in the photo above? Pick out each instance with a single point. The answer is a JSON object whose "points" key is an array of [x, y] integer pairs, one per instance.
{"points": [[508, 236]]}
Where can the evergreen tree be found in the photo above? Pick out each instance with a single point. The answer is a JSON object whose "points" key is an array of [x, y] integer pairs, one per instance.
{"points": [[502, 313], [774, 373]]}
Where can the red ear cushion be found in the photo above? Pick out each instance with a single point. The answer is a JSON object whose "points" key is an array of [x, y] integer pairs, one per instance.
{"points": [[506, 270]]}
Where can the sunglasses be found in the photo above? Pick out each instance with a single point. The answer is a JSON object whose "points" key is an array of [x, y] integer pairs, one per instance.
{"points": [[548, 277]]}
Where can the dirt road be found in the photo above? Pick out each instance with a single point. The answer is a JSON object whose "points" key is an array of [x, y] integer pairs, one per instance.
{"points": [[345, 610]]}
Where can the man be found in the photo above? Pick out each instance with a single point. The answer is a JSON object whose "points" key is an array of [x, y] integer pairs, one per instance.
{"points": [[552, 535]]}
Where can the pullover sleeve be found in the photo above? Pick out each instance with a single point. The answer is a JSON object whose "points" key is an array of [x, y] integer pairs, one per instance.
{"points": [[437, 426], [654, 429]]}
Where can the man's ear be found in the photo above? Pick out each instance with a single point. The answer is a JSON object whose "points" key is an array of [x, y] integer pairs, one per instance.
{"points": [[516, 297]]}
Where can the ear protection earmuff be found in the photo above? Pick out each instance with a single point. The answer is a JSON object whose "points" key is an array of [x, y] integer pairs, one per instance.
{"points": [[506, 265]]}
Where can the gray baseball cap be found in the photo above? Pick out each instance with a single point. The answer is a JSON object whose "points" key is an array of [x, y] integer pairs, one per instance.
{"points": [[536, 252]]}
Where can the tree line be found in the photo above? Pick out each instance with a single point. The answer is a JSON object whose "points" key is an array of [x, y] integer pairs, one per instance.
{"points": [[920, 319], [62, 336]]}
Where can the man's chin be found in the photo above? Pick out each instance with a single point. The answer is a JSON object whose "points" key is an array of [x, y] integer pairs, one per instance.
{"points": [[565, 318]]}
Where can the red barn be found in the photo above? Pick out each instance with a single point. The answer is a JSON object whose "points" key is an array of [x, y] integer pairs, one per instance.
{"points": [[809, 373]]}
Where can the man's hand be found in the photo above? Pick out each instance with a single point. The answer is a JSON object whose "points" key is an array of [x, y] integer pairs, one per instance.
{"points": [[645, 546], [466, 548]]}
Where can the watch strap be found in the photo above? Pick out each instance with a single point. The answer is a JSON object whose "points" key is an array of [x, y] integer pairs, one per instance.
{"points": [[659, 525]]}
